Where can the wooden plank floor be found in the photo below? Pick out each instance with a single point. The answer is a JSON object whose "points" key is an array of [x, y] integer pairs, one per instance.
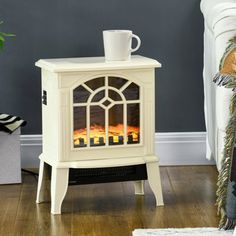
{"points": [[112, 209]]}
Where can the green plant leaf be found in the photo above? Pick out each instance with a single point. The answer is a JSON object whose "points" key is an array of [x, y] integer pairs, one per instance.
{"points": [[7, 34], [1, 45], [2, 38]]}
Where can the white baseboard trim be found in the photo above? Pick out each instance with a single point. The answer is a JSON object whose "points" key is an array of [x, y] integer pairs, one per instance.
{"points": [[31, 148], [185, 148]]}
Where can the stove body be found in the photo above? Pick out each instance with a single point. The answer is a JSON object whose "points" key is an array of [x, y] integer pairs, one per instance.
{"points": [[97, 115]]}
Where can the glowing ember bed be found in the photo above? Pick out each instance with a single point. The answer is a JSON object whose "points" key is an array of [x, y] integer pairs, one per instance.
{"points": [[98, 116]]}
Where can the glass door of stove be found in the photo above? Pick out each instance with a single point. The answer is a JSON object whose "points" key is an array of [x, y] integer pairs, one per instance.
{"points": [[106, 112]]}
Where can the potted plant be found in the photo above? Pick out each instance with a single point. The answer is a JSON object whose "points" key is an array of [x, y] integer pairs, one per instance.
{"points": [[3, 36]]}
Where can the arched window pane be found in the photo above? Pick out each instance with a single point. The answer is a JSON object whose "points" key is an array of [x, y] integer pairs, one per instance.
{"points": [[98, 96], [80, 94], [114, 95], [116, 82], [132, 92], [96, 83]]}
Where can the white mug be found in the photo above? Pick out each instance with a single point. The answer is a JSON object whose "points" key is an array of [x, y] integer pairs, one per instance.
{"points": [[118, 44]]}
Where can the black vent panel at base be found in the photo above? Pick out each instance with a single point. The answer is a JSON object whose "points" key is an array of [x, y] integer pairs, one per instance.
{"points": [[106, 175]]}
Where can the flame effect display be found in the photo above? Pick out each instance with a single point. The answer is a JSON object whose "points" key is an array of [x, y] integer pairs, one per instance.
{"points": [[98, 135]]}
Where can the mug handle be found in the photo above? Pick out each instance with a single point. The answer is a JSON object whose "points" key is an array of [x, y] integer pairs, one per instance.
{"points": [[138, 43]]}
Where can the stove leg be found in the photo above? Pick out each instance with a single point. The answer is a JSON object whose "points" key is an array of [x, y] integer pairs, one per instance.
{"points": [[39, 197], [59, 185], [139, 187], [154, 180]]}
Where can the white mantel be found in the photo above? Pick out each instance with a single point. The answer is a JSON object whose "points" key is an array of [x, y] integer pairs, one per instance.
{"points": [[95, 64]]}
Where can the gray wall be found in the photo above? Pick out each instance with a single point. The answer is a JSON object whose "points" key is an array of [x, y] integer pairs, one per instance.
{"points": [[171, 32]]}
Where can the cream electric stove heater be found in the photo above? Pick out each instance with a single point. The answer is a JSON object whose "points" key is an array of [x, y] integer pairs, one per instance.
{"points": [[97, 114]]}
